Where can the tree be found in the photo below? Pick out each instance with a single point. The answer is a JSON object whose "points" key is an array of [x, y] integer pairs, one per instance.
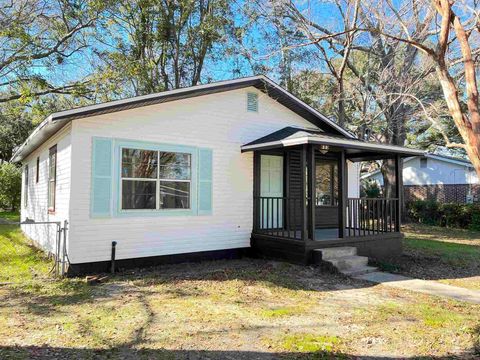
{"points": [[37, 39], [13, 132], [341, 43], [10, 186], [160, 45], [371, 74], [452, 45]]}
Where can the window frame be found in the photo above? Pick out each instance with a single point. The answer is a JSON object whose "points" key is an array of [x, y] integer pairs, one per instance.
{"points": [[140, 145], [52, 207]]}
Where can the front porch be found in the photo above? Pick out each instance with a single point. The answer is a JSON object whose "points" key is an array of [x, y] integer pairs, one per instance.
{"points": [[303, 199]]}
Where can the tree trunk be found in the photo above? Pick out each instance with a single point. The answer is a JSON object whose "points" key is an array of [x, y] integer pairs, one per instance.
{"points": [[341, 103], [388, 172], [469, 130]]}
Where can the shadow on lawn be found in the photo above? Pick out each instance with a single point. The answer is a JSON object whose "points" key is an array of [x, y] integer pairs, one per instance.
{"points": [[277, 273], [125, 352], [41, 297]]}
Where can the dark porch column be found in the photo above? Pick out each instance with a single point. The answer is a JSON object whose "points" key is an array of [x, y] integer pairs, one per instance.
{"points": [[398, 191], [303, 167], [311, 191], [342, 194]]}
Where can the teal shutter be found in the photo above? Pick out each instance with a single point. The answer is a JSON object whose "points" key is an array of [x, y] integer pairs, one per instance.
{"points": [[101, 177], [205, 192]]}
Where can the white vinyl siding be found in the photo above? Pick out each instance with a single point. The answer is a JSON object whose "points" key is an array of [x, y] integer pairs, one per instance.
{"points": [[37, 207], [218, 122]]}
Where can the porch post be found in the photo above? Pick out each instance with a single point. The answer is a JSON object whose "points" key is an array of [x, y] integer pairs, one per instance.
{"points": [[342, 196], [311, 191], [303, 165], [398, 191], [256, 190]]}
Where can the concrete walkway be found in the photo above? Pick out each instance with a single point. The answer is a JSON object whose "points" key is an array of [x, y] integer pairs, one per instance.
{"points": [[423, 286]]}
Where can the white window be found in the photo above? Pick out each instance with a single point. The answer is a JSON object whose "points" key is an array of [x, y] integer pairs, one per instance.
{"points": [[155, 180]]}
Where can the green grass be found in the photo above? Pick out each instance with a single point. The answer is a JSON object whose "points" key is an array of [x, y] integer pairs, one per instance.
{"points": [[235, 306], [457, 247], [284, 311], [450, 252], [310, 343], [10, 215], [19, 261], [28, 270]]}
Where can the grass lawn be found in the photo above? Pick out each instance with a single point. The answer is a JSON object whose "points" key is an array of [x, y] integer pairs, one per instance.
{"points": [[10, 215], [450, 256], [238, 309]]}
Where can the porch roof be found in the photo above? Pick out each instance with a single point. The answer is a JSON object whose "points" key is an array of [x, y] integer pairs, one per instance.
{"points": [[356, 150]]}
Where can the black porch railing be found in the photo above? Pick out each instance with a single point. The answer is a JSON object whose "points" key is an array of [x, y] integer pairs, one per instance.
{"points": [[279, 216], [284, 217], [371, 216]]}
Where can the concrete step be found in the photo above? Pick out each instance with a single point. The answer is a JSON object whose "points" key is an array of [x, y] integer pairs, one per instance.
{"points": [[336, 252], [359, 271], [349, 262]]}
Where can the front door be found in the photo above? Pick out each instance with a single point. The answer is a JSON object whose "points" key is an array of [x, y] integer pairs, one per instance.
{"points": [[271, 189]]}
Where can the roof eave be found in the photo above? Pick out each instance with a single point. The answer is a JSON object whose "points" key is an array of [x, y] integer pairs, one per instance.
{"points": [[381, 148], [40, 134]]}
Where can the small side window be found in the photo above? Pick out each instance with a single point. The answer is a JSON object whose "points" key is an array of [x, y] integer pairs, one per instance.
{"points": [[52, 177], [252, 102], [423, 163], [37, 175]]}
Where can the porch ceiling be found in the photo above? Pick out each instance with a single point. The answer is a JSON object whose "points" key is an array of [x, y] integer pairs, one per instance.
{"points": [[356, 150]]}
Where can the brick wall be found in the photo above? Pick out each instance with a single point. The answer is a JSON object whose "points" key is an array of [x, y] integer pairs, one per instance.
{"points": [[442, 193]]}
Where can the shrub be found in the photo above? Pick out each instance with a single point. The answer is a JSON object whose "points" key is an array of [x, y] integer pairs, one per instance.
{"points": [[10, 186], [447, 215], [370, 189]]}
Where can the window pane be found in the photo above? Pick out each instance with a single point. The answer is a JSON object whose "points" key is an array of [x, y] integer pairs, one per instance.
{"points": [[175, 166], [174, 195], [51, 194], [52, 177], [137, 194], [139, 164], [52, 166], [326, 183]]}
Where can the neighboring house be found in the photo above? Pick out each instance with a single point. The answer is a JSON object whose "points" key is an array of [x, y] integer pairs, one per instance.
{"points": [[202, 172], [436, 177]]}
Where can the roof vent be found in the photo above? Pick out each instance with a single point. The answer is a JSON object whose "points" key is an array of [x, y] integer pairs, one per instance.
{"points": [[252, 102]]}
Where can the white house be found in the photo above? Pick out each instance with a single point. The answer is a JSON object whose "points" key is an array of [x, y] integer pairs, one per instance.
{"points": [[202, 172], [439, 177]]}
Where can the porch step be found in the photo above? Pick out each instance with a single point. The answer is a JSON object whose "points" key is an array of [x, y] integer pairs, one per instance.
{"points": [[336, 252], [343, 259], [360, 271], [349, 262]]}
